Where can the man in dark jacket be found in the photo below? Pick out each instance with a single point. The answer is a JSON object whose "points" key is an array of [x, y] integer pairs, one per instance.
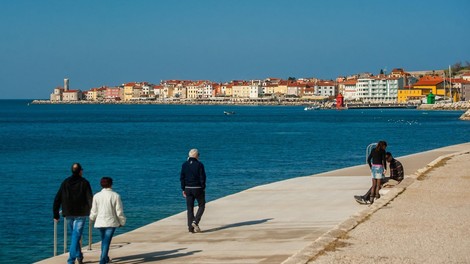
{"points": [[75, 197], [396, 173], [193, 184]]}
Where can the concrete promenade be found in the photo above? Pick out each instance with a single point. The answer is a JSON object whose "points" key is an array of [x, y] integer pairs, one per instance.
{"points": [[301, 220]]}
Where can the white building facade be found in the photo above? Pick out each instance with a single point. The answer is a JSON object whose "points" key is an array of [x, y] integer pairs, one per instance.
{"points": [[377, 90]]}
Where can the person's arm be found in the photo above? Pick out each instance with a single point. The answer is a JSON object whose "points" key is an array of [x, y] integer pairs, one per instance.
{"points": [[120, 211], [57, 203], [94, 210], [400, 171], [182, 180], [203, 177], [384, 160], [369, 159], [89, 194]]}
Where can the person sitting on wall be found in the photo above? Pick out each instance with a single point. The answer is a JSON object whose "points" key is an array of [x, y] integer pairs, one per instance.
{"points": [[396, 173]]}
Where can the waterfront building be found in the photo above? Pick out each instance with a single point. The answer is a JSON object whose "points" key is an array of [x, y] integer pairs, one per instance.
{"points": [[349, 90], [95, 94], [466, 76], [281, 88], [325, 88], [256, 90], [175, 89], [308, 92], [130, 91], [378, 89], [113, 93], [72, 95], [147, 91], [241, 90], [268, 89], [193, 92], [296, 89], [158, 91], [465, 96], [199, 90], [56, 96], [179, 91], [208, 89], [89, 95], [217, 89], [429, 84], [228, 90], [65, 94]]}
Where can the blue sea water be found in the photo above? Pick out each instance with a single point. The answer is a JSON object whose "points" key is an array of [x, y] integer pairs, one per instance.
{"points": [[143, 146]]}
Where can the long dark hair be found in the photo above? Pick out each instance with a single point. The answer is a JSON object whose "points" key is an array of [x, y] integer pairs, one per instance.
{"points": [[381, 145]]}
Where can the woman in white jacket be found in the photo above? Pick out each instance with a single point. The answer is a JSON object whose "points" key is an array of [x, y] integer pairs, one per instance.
{"points": [[107, 213]]}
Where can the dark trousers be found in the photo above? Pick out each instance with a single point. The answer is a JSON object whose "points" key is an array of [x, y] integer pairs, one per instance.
{"points": [[193, 194], [367, 195]]}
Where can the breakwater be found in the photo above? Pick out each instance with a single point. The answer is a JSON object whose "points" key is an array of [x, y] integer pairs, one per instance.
{"points": [[287, 102], [463, 105]]}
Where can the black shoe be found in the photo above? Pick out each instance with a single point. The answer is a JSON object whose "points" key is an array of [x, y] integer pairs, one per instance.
{"points": [[80, 261], [360, 199], [191, 230]]}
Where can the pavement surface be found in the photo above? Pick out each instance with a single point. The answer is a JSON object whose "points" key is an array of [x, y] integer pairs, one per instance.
{"points": [[302, 220], [427, 223]]}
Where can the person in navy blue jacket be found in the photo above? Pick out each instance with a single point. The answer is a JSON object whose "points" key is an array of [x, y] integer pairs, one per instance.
{"points": [[193, 184]]}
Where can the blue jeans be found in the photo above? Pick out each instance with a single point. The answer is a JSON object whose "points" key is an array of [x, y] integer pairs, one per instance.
{"points": [[106, 236], [75, 225]]}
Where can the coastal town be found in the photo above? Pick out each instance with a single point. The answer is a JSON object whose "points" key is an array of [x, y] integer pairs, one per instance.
{"points": [[397, 87]]}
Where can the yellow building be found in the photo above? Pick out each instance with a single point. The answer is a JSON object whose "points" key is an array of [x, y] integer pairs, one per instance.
{"points": [[281, 88], [427, 84], [405, 95], [128, 91], [241, 90]]}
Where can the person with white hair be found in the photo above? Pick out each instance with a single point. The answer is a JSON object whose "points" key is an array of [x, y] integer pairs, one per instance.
{"points": [[193, 184]]}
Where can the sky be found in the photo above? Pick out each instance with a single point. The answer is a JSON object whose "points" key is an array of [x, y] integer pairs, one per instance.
{"points": [[96, 43]]}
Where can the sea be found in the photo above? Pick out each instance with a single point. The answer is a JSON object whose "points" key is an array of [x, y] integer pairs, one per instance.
{"points": [[142, 148]]}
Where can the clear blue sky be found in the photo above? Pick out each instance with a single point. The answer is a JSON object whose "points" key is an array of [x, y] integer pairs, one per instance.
{"points": [[97, 43]]}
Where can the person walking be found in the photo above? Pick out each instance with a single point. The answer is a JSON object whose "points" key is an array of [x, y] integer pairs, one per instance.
{"points": [[378, 167], [396, 173], [75, 197], [193, 184], [107, 212]]}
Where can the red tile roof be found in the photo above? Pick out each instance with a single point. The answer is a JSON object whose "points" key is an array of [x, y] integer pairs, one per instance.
{"points": [[350, 82], [429, 80]]}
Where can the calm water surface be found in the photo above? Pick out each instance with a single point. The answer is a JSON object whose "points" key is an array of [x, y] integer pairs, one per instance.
{"points": [[142, 148]]}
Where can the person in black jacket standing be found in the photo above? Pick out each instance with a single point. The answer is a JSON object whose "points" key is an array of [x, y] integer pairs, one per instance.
{"points": [[193, 184], [378, 166], [75, 197]]}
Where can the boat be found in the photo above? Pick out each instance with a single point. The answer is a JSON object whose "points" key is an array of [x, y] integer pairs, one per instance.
{"points": [[229, 112], [313, 107]]}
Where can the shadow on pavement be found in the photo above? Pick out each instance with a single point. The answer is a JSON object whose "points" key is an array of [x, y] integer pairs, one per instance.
{"points": [[246, 223], [154, 256]]}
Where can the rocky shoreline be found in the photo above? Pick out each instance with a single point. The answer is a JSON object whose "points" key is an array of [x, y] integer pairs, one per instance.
{"points": [[189, 102], [463, 105]]}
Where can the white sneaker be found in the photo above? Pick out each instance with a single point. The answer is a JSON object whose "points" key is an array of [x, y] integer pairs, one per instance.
{"points": [[196, 227]]}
